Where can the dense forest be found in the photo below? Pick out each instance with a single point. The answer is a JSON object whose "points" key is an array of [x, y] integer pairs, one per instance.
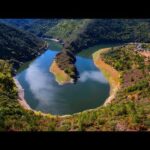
{"points": [[38, 27], [18, 46], [82, 33], [111, 31]]}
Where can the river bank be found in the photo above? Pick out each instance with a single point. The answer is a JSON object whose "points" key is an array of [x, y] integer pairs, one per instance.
{"points": [[23, 102], [60, 76], [109, 72], [67, 115], [21, 99]]}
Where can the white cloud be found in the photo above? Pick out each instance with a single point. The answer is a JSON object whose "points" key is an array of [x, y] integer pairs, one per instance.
{"points": [[41, 85], [92, 75]]}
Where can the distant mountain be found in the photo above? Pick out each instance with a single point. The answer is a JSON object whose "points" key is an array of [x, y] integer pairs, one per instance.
{"points": [[79, 34], [68, 29], [36, 26], [17, 22], [18, 46], [111, 31], [57, 28]]}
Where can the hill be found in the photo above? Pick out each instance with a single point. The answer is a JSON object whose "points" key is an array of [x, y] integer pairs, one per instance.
{"points": [[100, 31], [36, 26], [79, 34], [18, 46], [129, 110]]}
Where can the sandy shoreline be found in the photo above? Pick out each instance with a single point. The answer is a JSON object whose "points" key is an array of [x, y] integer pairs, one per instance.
{"points": [[109, 72], [65, 79], [114, 81], [99, 64], [21, 99], [23, 102]]}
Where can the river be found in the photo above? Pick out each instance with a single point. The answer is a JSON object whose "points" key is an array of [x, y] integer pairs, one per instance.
{"points": [[43, 93]]}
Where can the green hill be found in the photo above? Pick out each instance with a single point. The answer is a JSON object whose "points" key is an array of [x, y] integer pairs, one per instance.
{"points": [[129, 110], [36, 26], [18, 46], [100, 31], [83, 33], [68, 29]]}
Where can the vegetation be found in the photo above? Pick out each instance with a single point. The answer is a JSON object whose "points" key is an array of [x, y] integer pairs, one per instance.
{"points": [[145, 46], [12, 116], [111, 31], [68, 29], [124, 58], [129, 110], [17, 46], [35, 26], [89, 51], [60, 76], [65, 61], [52, 45], [83, 33]]}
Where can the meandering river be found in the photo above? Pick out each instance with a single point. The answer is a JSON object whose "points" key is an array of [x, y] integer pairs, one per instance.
{"points": [[44, 94]]}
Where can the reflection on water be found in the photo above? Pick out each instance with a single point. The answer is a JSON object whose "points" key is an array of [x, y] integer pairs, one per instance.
{"points": [[92, 75], [43, 93], [40, 84]]}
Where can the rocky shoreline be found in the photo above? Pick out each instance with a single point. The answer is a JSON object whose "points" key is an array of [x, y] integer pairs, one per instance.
{"points": [[23, 103], [21, 99]]}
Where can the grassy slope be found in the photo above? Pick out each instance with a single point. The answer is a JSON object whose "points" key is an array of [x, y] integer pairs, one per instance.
{"points": [[129, 111]]}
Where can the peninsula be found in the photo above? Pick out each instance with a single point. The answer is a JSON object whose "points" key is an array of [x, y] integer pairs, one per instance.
{"points": [[63, 68]]}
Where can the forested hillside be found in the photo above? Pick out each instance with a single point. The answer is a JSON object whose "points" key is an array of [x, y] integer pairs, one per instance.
{"points": [[111, 31], [82, 33], [18, 46], [36, 26], [129, 110]]}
